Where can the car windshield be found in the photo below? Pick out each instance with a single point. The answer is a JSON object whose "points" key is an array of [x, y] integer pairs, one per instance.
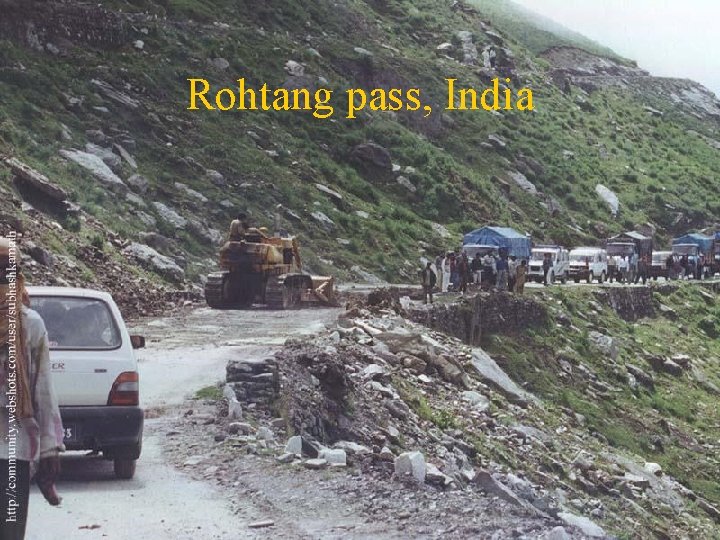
{"points": [[77, 323], [540, 255], [581, 257]]}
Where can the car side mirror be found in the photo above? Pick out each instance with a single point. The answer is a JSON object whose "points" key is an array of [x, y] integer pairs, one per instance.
{"points": [[138, 342]]}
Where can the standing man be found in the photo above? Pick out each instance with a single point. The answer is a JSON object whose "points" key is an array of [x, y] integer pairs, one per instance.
{"points": [[429, 279], [612, 268], [30, 423], [512, 272], [623, 268], [454, 272], [502, 273], [547, 264], [464, 272], [521, 277], [476, 268], [642, 272], [439, 270]]}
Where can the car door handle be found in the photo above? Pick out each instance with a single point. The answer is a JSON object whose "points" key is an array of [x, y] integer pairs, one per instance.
{"points": [[100, 370]]}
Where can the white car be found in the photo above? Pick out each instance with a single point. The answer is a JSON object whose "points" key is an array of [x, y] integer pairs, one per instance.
{"points": [[95, 373], [559, 269], [588, 263]]}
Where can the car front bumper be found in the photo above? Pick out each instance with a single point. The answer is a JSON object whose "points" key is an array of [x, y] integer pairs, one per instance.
{"points": [[102, 427]]}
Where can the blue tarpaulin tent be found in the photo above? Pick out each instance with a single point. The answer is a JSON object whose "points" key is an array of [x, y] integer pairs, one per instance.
{"points": [[704, 243], [503, 237]]}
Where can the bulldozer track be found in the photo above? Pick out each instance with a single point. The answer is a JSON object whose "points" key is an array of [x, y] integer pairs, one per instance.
{"points": [[214, 290], [277, 295]]}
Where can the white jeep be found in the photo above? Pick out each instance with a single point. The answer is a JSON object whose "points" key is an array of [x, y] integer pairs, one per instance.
{"points": [[559, 268]]}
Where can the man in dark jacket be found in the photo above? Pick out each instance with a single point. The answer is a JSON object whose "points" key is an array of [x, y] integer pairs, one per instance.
{"points": [[429, 279]]}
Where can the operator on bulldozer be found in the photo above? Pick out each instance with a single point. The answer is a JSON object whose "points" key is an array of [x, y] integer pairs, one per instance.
{"points": [[238, 228]]}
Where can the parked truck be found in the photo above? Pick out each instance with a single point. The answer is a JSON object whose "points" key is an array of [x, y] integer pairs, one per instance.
{"points": [[700, 250], [633, 246]]}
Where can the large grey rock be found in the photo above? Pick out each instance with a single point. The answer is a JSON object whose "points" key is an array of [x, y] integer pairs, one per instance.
{"points": [[36, 180], [110, 159], [586, 526], [476, 400], [492, 374], [154, 261], [605, 344], [97, 167], [138, 183], [324, 221], [115, 95], [315, 464], [171, 216], [336, 457], [294, 445], [191, 192], [353, 448], [411, 464], [125, 155], [494, 487], [468, 47], [331, 193], [610, 198], [521, 180]]}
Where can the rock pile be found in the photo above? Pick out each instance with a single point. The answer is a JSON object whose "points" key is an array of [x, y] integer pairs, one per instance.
{"points": [[254, 381]]}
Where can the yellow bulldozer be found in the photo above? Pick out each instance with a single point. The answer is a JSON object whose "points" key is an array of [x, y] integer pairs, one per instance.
{"points": [[262, 269]]}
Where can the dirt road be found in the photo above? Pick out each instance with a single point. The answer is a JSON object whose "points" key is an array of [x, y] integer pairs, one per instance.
{"points": [[184, 354]]}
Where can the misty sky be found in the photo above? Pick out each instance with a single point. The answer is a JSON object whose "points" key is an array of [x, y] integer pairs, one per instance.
{"points": [[675, 38]]}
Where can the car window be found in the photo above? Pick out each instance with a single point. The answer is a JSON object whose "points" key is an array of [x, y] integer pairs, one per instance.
{"points": [[77, 323]]}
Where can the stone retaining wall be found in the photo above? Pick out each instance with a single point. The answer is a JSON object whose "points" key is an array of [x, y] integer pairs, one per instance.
{"points": [[485, 313]]}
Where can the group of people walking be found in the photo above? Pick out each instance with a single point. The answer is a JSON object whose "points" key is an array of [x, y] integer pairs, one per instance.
{"points": [[456, 272]]}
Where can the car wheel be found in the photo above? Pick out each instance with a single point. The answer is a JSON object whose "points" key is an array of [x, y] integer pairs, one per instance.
{"points": [[551, 279], [124, 468], [591, 277], [602, 278], [576, 280]]}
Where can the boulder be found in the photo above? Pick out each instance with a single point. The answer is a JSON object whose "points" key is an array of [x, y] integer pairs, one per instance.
{"points": [[476, 400], [334, 195], [36, 181], [372, 159], [411, 464], [405, 182], [138, 183], [605, 344], [523, 183], [215, 178], [294, 68], [586, 526], [220, 63], [436, 477], [468, 47], [97, 167], [497, 141], [610, 198], [324, 221], [492, 374], [154, 261], [336, 457], [110, 159], [315, 464], [170, 216], [125, 155], [672, 368]]}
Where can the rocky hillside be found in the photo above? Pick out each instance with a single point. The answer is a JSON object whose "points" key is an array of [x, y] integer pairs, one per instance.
{"points": [[95, 99], [594, 410]]}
